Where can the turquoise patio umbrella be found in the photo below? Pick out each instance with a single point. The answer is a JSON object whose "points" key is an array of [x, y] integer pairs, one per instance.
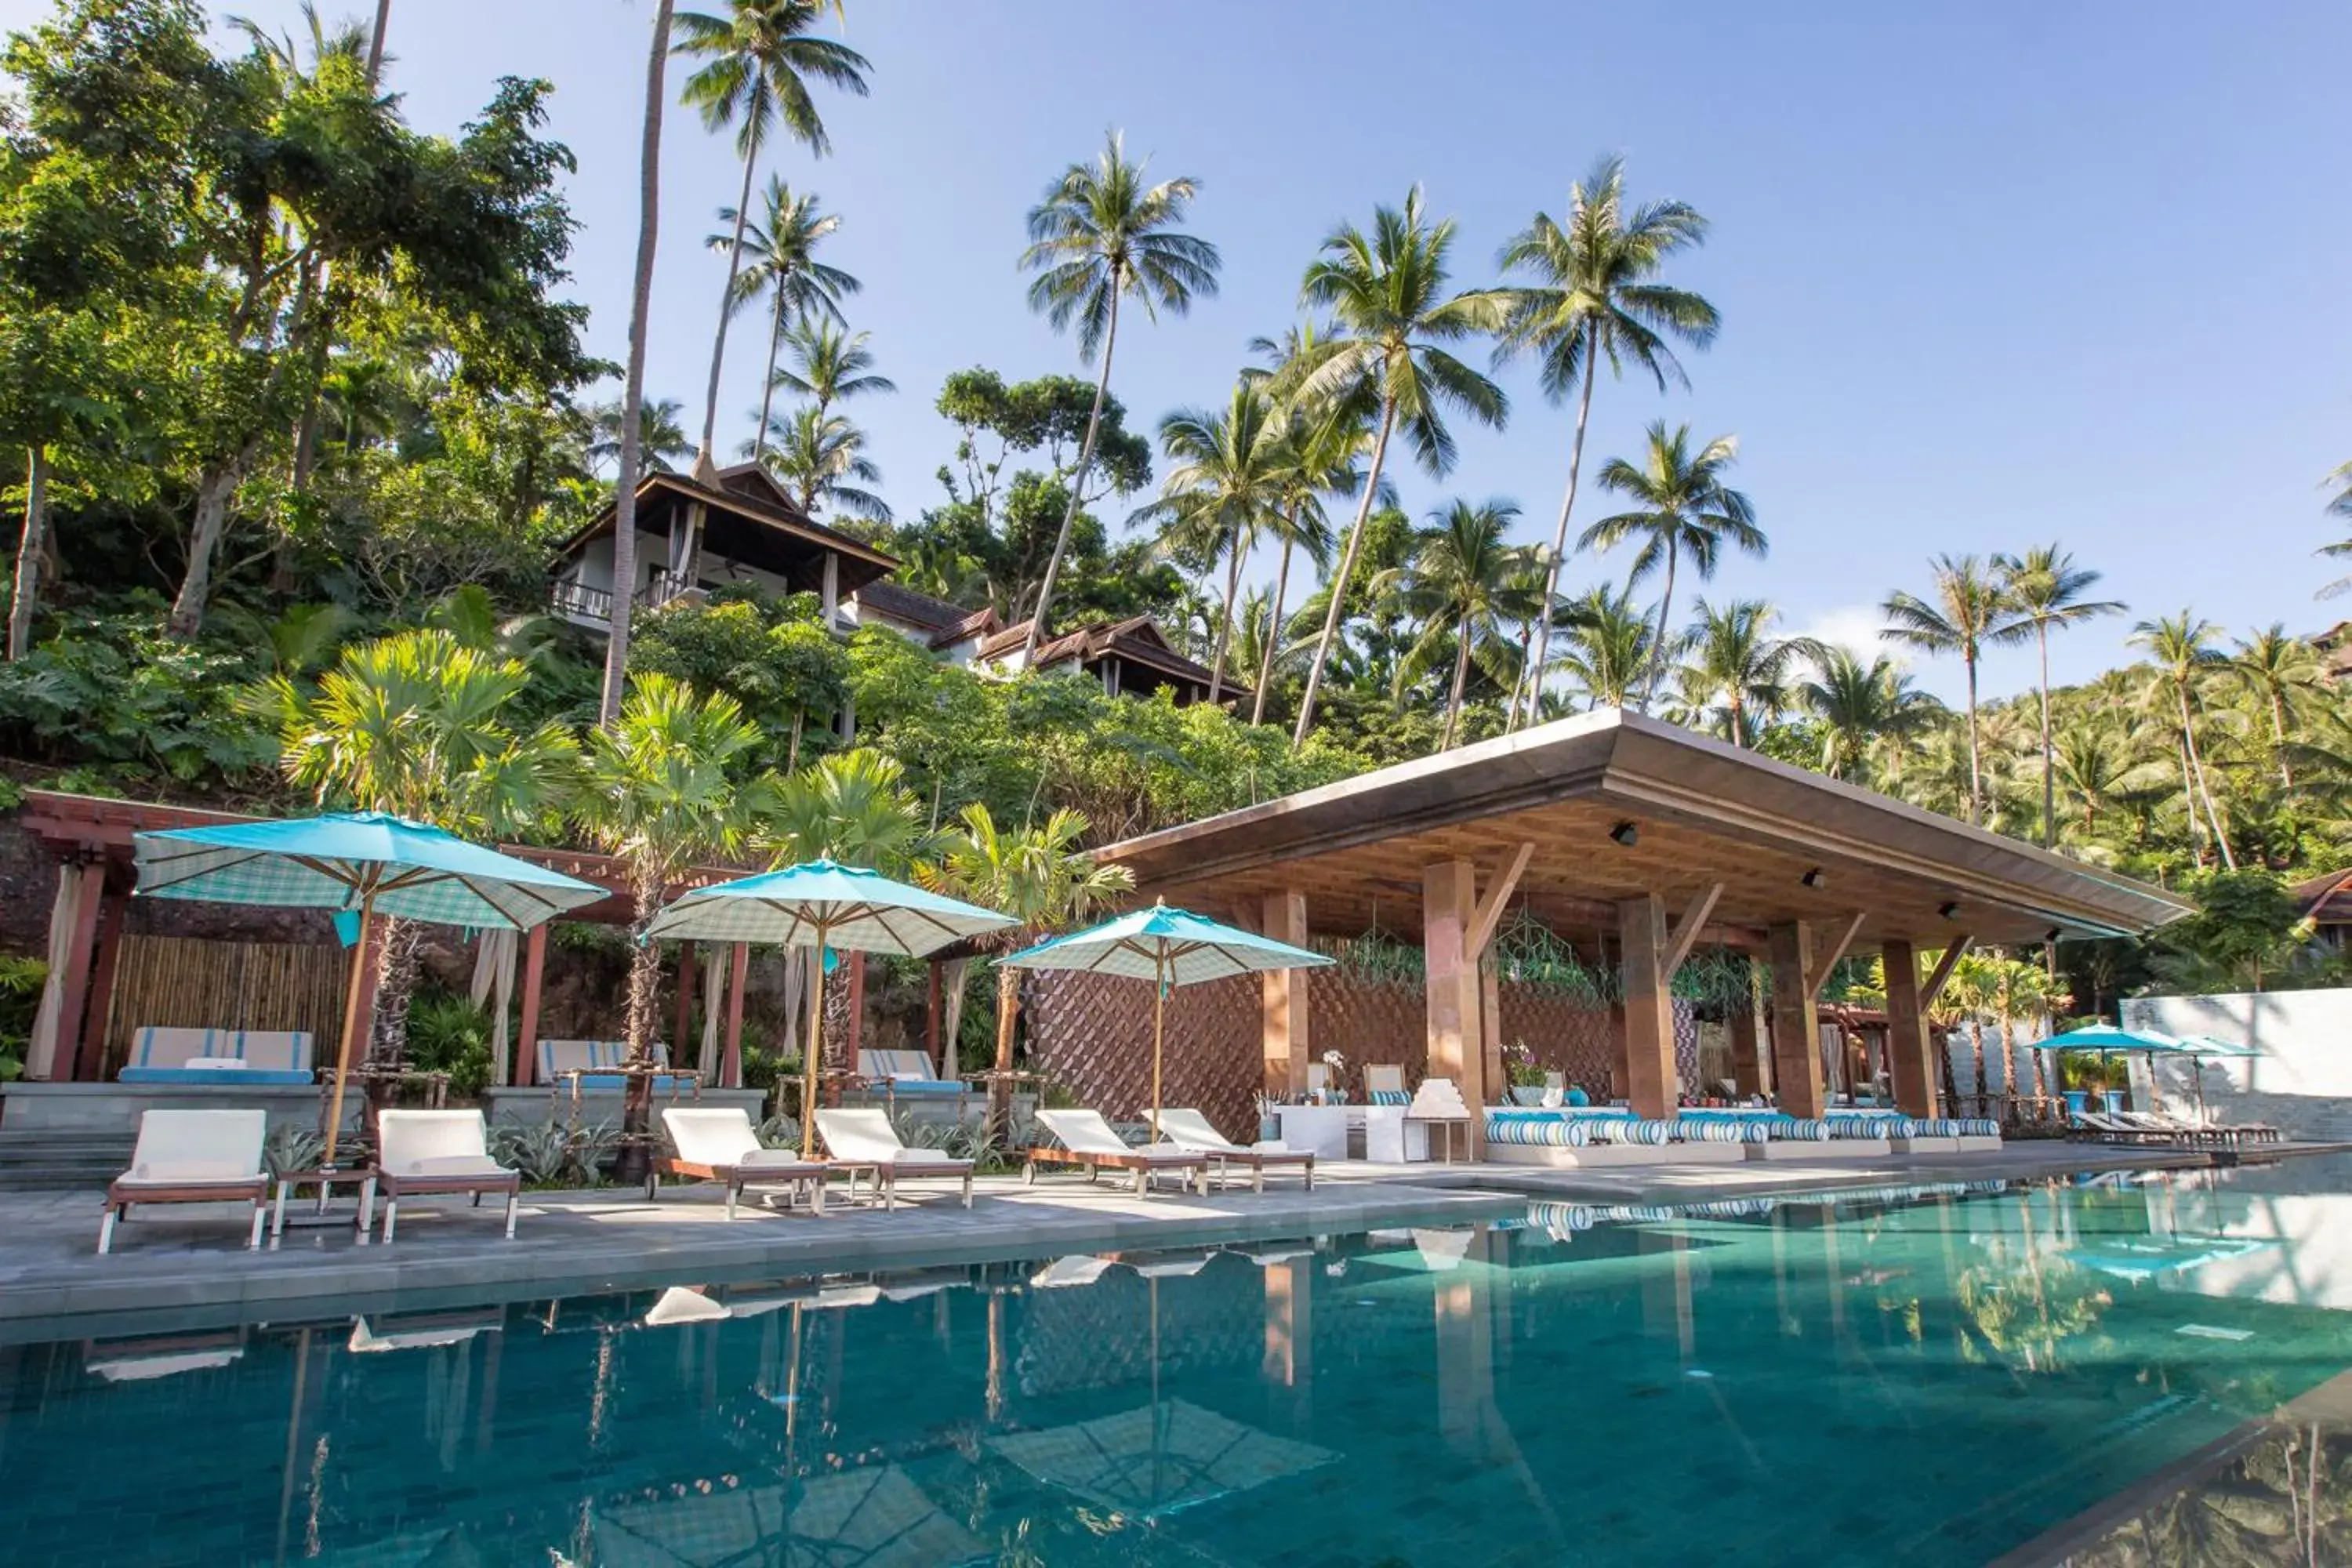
{"points": [[363, 863], [1168, 947], [827, 906]]}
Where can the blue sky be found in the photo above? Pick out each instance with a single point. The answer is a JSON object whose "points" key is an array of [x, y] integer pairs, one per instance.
{"points": [[1990, 275]]}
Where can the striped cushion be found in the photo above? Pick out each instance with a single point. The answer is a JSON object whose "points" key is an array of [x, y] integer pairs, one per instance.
{"points": [[1703, 1130], [1641, 1132], [1978, 1127], [1560, 1218], [1800, 1129], [1391, 1097], [1536, 1131]]}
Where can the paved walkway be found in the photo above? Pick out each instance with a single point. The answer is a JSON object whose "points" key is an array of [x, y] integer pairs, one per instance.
{"points": [[183, 1266]]}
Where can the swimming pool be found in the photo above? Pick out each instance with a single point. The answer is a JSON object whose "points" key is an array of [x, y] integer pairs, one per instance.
{"points": [[1930, 1378]]}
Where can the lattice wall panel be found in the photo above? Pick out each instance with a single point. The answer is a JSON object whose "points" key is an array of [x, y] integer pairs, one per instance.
{"points": [[1092, 1034]]}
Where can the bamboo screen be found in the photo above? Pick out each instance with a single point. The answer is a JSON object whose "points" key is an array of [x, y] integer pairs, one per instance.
{"points": [[181, 981]]}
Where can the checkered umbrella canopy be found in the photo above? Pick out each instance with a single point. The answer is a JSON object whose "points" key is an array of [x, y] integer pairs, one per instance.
{"points": [[347, 859]]}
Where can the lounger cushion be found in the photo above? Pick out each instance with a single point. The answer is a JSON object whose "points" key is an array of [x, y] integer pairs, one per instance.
{"points": [[1536, 1131], [177, 1146], [455, 1166], [1391, 1097], [160, 1054]]}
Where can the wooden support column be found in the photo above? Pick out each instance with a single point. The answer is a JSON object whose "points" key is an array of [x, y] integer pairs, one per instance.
{"points": [[1282, 998], [534, 971], [731, 1061], [1490, 1019], [1912, 1059], [1650, 1078], [1795, 1024], [101, 983], [682, 1034], [1752, 1067], [81, 954], [1448, 912]]}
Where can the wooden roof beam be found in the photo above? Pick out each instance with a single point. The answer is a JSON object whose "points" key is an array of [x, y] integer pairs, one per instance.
{"points": [[1489, 912], [1686, 933], [1933, 985], [1828, 958]]}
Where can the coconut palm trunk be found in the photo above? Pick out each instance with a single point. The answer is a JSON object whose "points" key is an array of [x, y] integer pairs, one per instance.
{"points": [[645, 984], [2197, 777], [1000, 1085], [1273, 623], [1077, 482], [1226, 627], [706, 466], [1346, 570], [625, 500], [1535, 672], [2049, 751], [1658, 641], [768, 384], [29, 550], [1976, 755], [1461, 679]]}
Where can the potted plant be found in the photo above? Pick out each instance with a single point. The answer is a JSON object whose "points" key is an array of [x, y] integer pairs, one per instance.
{"points": [[1269, 1125], [1526, 1075]]}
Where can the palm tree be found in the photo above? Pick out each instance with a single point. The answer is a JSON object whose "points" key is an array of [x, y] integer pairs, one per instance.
{"points": [[1862, 706], [1387, 292], [1606, 645], [1738, 664], [1100, 235], [2182, 648], [2046, 588], [633, 383], [1462, 584], [1320, 448], [2099, 767], [760, 56], [1596, 296], [423, 726], [2277, 671], [779, 257], [821, 458], [1682, 507], [661, 439], [829, 364], [1226, 487], [1042, 877], [2339, 506], [1971, 611], [664, 790]]}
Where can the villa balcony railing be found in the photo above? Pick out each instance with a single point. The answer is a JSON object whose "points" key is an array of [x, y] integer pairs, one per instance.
{"points": [[575, 599]]}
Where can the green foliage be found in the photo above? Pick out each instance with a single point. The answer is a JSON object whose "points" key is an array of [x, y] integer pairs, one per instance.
{"points": [[450, 1034], [21, 980], [554, 1153], [770, 655], [119, 696], [2246, 935]]}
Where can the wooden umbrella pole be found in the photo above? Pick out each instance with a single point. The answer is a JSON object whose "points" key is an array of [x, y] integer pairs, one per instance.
{"points": [[350, 1028], [815, 1054], [1158, 1015]]}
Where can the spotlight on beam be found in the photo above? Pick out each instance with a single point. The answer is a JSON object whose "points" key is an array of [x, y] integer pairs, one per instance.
{"points": [[1626, 834], [1949, 912], [2052, 935], [1814, 879]]}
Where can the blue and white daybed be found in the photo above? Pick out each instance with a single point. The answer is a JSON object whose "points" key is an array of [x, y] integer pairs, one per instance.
{"points": [[218, 1058]]}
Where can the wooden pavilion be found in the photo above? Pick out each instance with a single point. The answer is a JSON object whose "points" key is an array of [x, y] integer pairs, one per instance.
{"points": [[1639, 841], [90, 840]]}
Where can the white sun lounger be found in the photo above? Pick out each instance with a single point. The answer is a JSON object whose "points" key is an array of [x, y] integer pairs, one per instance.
{"points": [[720, 1145], [192, 1157], [863, 1139], [1191, 1131], [1088, 1140], [427, 1152]]}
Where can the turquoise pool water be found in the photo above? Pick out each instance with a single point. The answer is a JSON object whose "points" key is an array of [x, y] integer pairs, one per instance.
{"points": [[1929, 1378]]}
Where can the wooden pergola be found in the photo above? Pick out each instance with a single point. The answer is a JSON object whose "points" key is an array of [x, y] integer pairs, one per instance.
{"points": [[92, 840], [1643, 840]]}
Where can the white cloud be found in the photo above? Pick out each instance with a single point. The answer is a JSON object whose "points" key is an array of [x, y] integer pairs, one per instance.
{"points": [[1855, 627]]}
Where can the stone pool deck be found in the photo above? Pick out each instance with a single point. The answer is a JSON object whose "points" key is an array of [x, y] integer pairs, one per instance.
{"points": [[185, 1268]]}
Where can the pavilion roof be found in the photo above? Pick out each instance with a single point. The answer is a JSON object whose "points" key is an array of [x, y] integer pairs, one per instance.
{"points": [[1701, 811]]}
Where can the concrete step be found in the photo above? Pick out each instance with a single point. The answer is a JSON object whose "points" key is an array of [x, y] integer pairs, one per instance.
{"points": [[60, 1161]]}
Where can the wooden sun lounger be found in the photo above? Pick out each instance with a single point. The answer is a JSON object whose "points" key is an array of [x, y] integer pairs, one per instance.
{"points": [[862, 1139], [720, 1145], [1088, 1143], [435, 1152], [192, 1157], [1192, 1132]]}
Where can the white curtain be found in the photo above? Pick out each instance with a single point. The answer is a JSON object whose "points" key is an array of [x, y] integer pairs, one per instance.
{"points": [[795, 995], [41, 1054], [714, 998], [494, 980]]}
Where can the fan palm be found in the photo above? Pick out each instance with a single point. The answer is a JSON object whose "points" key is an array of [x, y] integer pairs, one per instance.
{"points": [[1861, 707], [853, 806], [829, 364], [665, 788], [1596, 296], [759, 58], [1101, 235], [2181, 647], [1970, 612], [2278, 671], [1042, 877], [1735, 663], [1604, 649], [1682, 507], [1387, 292], [632, 378], [1226, 487], [778, 259], [2099, 768], [2046, 588], [1464, 583], [821, 459]]}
